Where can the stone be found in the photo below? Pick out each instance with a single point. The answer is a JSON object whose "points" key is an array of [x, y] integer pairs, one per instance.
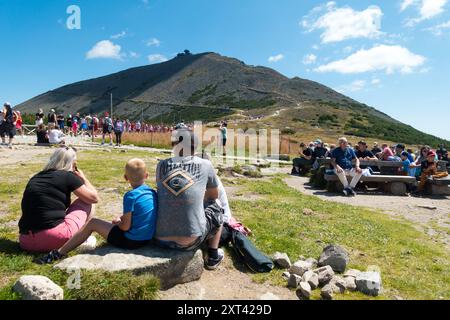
{"points": [[294, 281], [38, 288], [327, 292], [339, 284], [313, 262], [335, 257], [325, 275], [369, 283], [350, 283], [304, 290], [269, 296], [282, 260], [351, 273], [308, 212], [286, 275], [311, 278], [170, 266], [300, 267]]}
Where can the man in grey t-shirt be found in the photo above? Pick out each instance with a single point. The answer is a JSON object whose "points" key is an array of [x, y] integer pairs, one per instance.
{"points": [[184, 182]]}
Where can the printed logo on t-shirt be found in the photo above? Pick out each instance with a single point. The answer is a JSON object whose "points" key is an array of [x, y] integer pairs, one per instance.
{"points": [[178, 182]]}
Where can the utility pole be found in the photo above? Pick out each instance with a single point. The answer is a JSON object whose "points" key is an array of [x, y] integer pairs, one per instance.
{"points": [[142, 115], [111, 105]]}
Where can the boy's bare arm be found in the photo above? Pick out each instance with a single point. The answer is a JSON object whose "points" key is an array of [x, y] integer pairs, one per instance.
{"points": [[124, 222]]}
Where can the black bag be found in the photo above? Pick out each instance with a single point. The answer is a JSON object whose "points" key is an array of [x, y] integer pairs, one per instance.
{"points": [[249, 254]]}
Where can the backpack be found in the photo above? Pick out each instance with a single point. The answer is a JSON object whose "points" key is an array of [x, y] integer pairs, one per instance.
{"points": [[249, 254], [9, 117], [108, 124]]}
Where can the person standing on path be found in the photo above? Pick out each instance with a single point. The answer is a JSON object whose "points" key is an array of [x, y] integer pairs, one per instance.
{"points": [[224, 131]]}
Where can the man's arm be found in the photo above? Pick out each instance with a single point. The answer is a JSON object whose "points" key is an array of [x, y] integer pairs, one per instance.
{"points": [[336, 166], [357, 166], [212, 194]]}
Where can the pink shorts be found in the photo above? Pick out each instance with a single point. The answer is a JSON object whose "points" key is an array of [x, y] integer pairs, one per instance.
{"points": [[52, 239]]}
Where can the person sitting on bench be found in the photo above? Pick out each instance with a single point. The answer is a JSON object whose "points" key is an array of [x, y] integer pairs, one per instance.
{"points": [[429, 169], [303, 164], [341, 159]]}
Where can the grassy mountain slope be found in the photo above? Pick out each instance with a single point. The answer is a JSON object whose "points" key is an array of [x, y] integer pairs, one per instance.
{"points": [[209, 87]]}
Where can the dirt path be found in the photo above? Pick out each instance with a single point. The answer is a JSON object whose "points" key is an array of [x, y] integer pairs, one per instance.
{"points": [[225, 283], [22, 154], [430, 215]]}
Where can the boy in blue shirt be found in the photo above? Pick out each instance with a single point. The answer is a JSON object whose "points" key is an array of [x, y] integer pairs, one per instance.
{"points": [[406, 169], [133, 230]]}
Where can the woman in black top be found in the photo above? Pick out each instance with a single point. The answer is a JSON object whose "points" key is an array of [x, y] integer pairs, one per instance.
{"points": [[49, 218]]}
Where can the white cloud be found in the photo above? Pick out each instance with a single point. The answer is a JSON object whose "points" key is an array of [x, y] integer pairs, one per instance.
{"points": [[133, 54], [309, 59], [428, 9], [380, 58], [153, 43], [105, 49], [315, 47], [439, 29], [355, 86], [119, 35], [375, 81], [347, 49], [340, 24], [276, 58], [431, 8], [406, 4], [156, 58]]}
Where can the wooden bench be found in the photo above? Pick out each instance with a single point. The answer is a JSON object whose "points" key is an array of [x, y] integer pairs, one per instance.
{"points": [[439, 187], [397, 185], [441, 165]]}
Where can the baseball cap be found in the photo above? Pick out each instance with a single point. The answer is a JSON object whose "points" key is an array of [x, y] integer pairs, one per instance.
{"points": [[404, 154], [431, 153]]}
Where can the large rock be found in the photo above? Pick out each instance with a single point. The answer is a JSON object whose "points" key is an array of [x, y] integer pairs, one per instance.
{"points": [[335, 257], [304, 291], [282, 260], [269, 296], [325, 274], [311, 278], [313, 262], [339, 283], [350, 283], [352, 273], [294, 281], [170, 266], [328, 291], [369, 283], [38, 288], [300, 267]]}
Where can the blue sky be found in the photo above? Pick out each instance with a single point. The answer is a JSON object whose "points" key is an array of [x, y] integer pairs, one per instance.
{"points": [[392, 55]]}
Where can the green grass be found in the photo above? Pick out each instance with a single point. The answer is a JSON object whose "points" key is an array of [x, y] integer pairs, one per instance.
{"points": [[105, 170], [412, 265]]}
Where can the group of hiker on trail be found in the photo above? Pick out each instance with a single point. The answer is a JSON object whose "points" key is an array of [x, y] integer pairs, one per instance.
{"points": [[346, 161], [186, 213]]}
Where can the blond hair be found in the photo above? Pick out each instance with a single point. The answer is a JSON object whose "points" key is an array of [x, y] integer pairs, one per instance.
{"points": [[62, 159], [136, 170]]}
